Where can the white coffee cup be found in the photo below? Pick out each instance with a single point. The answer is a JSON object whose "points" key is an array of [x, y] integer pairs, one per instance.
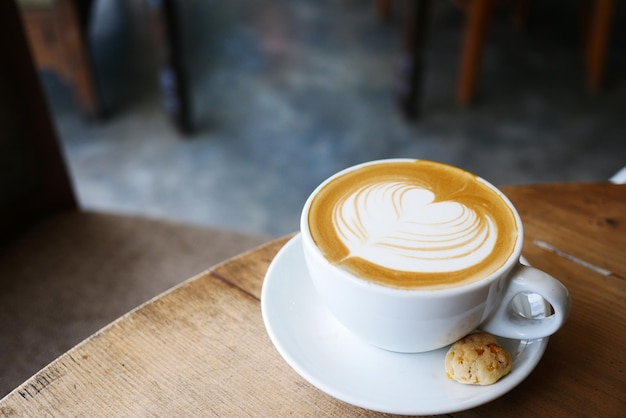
{"points": [[418, 318]]}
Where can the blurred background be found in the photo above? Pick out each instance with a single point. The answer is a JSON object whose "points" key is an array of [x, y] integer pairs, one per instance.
{"points": [[280, 94]]}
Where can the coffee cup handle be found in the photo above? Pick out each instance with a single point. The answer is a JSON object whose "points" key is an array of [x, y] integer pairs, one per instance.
{"points": [[506, 322]]}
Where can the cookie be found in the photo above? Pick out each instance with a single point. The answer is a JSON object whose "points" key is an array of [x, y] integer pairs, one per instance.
{"points": [[477, 359]]}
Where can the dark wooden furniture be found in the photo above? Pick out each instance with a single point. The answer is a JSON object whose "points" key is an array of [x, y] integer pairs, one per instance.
{"points": [[35, 181]]}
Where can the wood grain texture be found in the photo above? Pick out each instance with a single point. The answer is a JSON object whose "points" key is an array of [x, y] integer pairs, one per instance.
{"points": [[201, 348]]}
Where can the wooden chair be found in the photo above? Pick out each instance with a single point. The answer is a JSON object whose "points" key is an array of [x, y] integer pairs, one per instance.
{"points": [[58, 33], [597, 28], [596, 19], [66, 272]]}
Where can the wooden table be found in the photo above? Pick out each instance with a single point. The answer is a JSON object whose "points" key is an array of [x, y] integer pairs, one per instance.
{"points": [[202, 349]]}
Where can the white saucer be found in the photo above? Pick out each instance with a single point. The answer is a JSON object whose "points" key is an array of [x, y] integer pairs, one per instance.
{"points": [[324, 353]]}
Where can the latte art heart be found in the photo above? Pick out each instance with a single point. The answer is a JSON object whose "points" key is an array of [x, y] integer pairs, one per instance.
{"points": [[403, 227]]}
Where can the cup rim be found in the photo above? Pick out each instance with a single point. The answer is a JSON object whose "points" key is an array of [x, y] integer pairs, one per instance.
{"points": [[310, 245]]}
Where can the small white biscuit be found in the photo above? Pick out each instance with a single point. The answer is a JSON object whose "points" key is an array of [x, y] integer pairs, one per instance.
{"points": [[477, 359]]}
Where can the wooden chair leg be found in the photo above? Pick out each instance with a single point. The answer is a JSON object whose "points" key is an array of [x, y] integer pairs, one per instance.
{"points": [[172, 77], [478, 15], [79, 67], [58, 40], [383, 8], [597, 42]]}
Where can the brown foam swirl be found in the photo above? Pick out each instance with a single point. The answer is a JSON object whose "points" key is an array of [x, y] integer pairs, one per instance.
{"points": [[413, 224]]}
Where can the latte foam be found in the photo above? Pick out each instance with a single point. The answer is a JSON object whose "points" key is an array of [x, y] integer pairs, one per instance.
{"points": [[401, 227], [415, 224]]}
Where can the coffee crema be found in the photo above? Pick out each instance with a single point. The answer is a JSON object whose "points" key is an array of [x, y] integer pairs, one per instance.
{"points": [[413, 224]]}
